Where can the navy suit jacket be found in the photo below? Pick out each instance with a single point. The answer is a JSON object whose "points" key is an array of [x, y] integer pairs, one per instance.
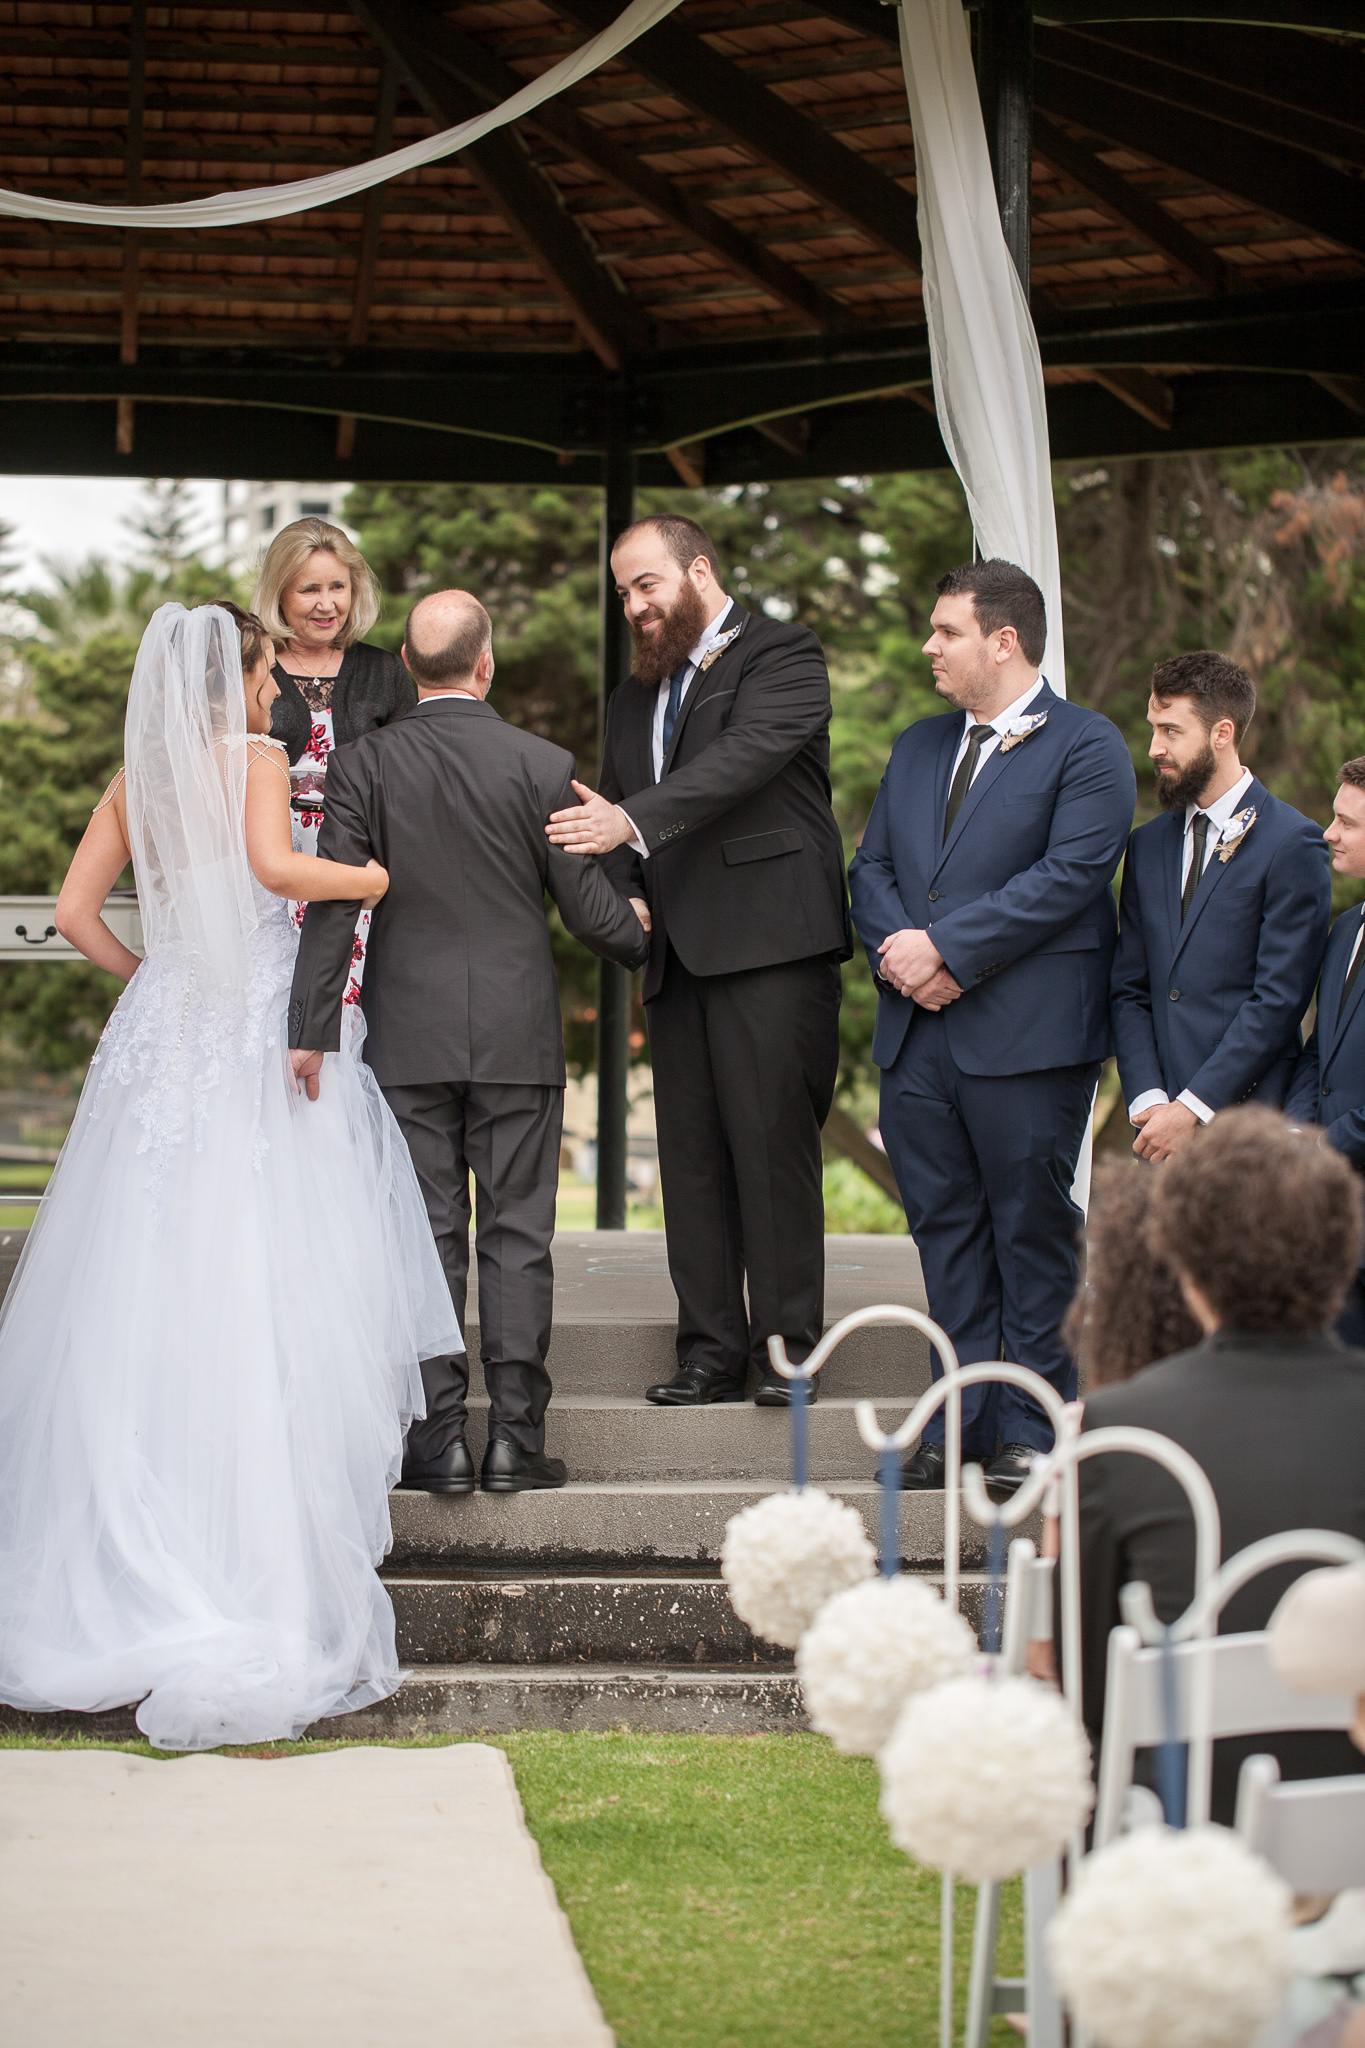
{"points": [[1215, 1004], [1017, 901], [1328, 1087]]}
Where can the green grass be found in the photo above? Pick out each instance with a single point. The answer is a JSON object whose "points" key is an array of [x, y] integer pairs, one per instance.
{"points": [[733, 1892]]}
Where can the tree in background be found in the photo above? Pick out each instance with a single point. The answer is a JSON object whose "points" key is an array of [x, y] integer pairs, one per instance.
{"points": [[74, 647]]}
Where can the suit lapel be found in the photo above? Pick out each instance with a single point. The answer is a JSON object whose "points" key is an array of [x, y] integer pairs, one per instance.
{"points": [[704, 684], [1214, 871], [1334, 1018], [997, 763], [1172, 860]]}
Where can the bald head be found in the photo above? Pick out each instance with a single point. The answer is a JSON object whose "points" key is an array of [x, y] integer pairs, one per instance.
{"points": [[449, 643]]}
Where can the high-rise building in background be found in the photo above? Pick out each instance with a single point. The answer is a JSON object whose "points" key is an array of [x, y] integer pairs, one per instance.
{"points": [[253, 513]]}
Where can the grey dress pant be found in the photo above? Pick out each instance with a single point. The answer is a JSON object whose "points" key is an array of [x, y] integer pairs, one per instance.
{"points": [[508, 1137]]}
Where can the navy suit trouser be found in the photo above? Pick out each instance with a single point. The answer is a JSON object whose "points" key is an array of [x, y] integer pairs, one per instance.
{"points": [[985, 1165]]}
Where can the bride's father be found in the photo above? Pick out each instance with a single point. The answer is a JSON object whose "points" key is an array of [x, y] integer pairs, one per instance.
{"points": [[462, 1011]]}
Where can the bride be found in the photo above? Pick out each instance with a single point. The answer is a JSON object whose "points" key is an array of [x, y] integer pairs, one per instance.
{"points": [[195, 1449]]}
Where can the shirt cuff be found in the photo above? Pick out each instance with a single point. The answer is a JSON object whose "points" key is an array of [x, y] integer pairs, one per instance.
{"points": [[1201, 1109], [1154, 1098], [637, 842]]}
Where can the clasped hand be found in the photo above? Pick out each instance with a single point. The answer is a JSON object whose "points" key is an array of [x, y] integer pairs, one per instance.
{"points": [[913, 965], [1163, 1130]]}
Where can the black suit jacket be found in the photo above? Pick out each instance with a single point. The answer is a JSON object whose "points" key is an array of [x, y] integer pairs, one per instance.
{"points": [[459, 974], [1277, 1424], [746, 865]]}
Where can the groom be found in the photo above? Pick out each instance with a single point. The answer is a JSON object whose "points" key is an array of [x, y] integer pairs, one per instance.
{"points": [[462, 1011]]}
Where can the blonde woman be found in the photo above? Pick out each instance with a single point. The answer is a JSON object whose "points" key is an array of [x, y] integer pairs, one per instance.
{"points": [[317, 597]]}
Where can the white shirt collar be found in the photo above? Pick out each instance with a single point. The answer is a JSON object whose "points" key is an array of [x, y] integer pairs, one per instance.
{"points": [[1005, 719], [711, 635], [439, 697], [1219, 812]]}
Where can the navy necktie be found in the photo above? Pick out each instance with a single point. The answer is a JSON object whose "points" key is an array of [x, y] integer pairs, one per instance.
{"points": [[1197, 856], [675, 686]]}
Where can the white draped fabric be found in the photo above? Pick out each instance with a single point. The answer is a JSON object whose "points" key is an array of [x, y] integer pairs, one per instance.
{"points": [[988, 374], [273, 202]]}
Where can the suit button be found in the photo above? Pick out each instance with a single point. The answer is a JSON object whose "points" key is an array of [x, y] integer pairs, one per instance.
{"points": [[1175, 995], [933, 895], [1326, 1090]]}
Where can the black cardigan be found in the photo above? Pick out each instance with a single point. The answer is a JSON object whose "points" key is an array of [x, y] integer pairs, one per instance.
{"points": [[371, 688]]}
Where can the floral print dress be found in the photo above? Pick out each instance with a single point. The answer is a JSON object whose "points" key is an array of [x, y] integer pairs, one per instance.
{"points": [[307, 780]]}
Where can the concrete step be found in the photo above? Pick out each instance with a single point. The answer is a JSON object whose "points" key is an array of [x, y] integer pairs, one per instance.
{"points": [[571, 1621], [616, 1314], [491, 1699], [611, 1437], [606, 1525]]}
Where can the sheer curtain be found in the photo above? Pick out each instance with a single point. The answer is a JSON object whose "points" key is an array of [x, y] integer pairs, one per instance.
{"points": [[988, 374]]}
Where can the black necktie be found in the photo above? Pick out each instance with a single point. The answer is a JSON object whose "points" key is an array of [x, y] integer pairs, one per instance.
{"points": [[1201, 840], [1350, 981], [966, 769], [675, 683]]}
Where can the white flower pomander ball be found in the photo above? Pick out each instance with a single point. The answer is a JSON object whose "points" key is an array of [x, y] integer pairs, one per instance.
{"points": [[869, 1649], [1173, 1940], [1317, 1633], [986, 1776], [785, 1556]]}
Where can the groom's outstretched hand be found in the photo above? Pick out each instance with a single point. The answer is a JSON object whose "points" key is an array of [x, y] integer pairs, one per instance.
{"points": [[307, 1066], [593, 826]]}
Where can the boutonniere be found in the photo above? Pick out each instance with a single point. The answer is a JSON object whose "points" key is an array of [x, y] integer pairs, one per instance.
{"points": [[1234, 832], [1022, 728], [720, 646]]}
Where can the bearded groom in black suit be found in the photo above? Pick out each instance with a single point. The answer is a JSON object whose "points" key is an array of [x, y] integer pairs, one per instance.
{"points": [[715, 808]]}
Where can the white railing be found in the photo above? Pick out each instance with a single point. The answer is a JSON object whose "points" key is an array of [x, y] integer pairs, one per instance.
{"points": [[27, 931]]}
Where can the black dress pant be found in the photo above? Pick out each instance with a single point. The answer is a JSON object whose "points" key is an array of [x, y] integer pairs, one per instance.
{"points": [[509, 1138], [744, 1072]]}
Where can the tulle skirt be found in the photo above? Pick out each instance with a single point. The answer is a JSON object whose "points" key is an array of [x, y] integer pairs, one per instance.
{"points": [[208, 1359]]}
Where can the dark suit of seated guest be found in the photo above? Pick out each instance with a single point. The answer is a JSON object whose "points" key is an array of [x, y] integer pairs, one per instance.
{"points": [[1263, 1225], [1223, 918], [1328, 1087]]}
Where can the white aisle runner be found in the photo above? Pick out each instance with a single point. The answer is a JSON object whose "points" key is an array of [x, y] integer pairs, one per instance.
{"points": [[356, 1899]]}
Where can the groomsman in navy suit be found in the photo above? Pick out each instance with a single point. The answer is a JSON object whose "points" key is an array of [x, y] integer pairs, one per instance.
{"points": [[1223, 918], [1328, 1087], [982, 892]]}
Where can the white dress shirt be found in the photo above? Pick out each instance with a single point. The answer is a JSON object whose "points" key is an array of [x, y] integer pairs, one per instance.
{"points": [[694, 661], [1218, 814], [999, 726]]}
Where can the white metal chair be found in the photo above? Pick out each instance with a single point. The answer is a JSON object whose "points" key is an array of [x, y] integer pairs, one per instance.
{"points": [[1224, 1684], [1312, 1830]]}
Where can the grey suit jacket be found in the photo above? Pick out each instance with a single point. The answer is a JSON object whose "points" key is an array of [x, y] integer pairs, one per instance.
{"points": [[459, 974]]}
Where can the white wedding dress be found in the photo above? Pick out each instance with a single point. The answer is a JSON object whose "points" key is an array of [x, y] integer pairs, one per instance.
{"points": [[209, 1352]]}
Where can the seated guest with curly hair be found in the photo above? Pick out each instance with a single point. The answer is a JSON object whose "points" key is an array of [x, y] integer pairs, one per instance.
{"points": [[1262, 1226], [1128, 1310]]}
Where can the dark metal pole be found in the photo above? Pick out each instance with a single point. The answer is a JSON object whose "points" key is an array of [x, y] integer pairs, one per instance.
{"points": [[1005, 74], [613, 983]]}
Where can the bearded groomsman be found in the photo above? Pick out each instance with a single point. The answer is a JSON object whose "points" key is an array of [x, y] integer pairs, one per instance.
{"points": [[1223, 918], [715, 807], [981, 891], [1328, 1087]]}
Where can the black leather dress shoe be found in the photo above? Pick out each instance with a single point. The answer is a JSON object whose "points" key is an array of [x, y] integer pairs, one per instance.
{"points": [[452, 1472], [508, 1469], [1007, 1473], [922, 1471], [694, 1386], [775, 1392]]}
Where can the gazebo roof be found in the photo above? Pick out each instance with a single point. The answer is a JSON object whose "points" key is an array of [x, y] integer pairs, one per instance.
{"points": [[706, 251]]}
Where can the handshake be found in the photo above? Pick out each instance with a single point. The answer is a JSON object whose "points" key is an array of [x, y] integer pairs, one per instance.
{"points": [[913, 966]]}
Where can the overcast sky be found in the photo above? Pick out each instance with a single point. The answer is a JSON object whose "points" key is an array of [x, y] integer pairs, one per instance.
{"points": [[74, 516]]}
